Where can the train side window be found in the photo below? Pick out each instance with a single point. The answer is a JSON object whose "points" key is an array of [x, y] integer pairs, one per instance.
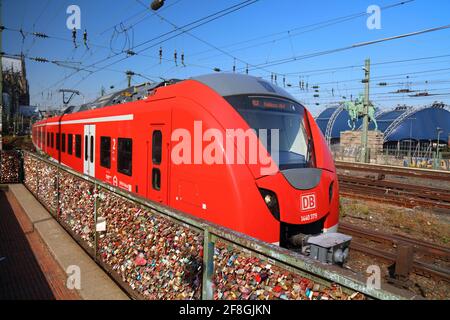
{"points": [[156, 179], [124, 158], [156, 147], [58, 141], [85, 148], [48, 139], [63, 142], [53, 140], [70, 143], [92, 149], [78, 145], [105, 152]]}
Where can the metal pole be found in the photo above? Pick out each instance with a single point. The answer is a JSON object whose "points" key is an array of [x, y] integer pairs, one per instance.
{"points": [[58, 194], [437, 147], [96, 234], [365, 127], [410, 140], [208, 266]]}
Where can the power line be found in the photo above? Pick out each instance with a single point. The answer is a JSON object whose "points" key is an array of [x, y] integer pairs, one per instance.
{"points": [[357, 45], [391, 85], [144, 17], [384, 77], [36, 21], [204, 41], [334, 69], [195, 24], [290, 33], [43, 35]]}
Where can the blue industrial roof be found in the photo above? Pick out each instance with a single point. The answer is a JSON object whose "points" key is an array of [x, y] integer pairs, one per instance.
{"points": [[420, 124], [385, 119], [423, 126]]}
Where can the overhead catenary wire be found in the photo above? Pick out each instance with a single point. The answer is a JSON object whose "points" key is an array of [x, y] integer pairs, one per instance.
{"points": [[85, 68], [204, 41], [384, 77], [192, 25], [339, 68], [291, 32], [388, 85], [44, 35], [353, 46], [36, 21], [144, 13]]}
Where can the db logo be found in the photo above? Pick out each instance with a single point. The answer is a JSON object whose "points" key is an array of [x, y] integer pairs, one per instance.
{"points": [[308, 201]]}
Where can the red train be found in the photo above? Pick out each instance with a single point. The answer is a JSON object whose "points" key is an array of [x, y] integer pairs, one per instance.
{"points": [[153, 146]]}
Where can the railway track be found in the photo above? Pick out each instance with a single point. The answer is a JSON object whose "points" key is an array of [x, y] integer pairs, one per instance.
{"points": [[428, 258], [402, 194], [397, 171]]}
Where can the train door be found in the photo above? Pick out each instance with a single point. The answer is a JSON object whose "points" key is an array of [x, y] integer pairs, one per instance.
{"points": [[157, 189], [89, 150]]}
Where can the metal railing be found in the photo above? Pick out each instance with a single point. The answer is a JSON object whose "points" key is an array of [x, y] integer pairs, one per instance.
{"points": [[156, 252]]}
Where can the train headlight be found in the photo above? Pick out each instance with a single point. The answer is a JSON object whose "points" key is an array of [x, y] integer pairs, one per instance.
{"points": [[268, 199], [271, 200]]}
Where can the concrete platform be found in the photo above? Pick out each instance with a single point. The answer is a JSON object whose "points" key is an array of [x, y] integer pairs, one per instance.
{"points": [[95, 283]]}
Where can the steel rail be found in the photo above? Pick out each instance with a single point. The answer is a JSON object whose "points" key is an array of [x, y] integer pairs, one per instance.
{"points": [[396, 193], [420, 245], [397, 171], [420, 191], [428, 248], [418, 266]]}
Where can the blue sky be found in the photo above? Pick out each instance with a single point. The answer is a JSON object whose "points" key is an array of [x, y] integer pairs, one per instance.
{"points": [[277, 25]]}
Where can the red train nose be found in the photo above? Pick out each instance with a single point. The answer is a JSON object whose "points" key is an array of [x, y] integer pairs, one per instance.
{"points": [[299, 196]]}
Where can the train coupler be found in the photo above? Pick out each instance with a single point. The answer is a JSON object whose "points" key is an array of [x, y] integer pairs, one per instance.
{"points": [[331, 247]]}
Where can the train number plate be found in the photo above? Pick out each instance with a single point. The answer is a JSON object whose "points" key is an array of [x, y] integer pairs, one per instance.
{"points": [[308, 201]]}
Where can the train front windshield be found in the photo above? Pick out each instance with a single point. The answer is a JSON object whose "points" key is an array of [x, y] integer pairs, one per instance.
{"points": [[266, 112]]}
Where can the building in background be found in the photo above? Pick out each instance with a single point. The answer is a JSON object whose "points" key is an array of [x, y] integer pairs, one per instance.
{"points": [[407, 130], [17, 112]]}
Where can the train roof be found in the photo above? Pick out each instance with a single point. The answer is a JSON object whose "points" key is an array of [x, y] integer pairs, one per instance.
{"points": [[225, 84], [134, 93], [229, 84]]}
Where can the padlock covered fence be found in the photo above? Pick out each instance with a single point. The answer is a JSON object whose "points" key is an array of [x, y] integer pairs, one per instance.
{"points": [[10, 166], [155, 252]]}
